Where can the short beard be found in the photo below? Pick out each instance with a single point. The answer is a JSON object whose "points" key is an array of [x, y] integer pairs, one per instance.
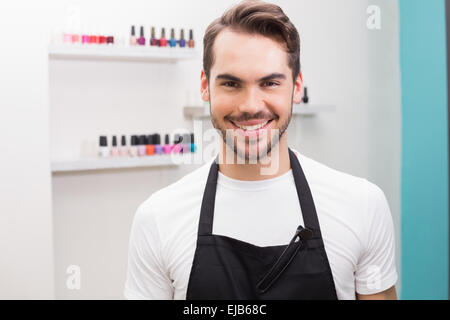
{"points": [[244, 155]]}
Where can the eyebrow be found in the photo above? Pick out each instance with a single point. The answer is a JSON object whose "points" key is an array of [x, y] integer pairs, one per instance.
{"points": [[272, 76]]}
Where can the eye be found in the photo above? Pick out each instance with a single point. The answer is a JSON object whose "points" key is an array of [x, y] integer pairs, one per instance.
{"points": [[270, 84], [230, 84]]}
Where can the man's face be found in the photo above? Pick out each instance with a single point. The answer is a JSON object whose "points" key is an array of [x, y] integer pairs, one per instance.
{"points": [[251, 91]]}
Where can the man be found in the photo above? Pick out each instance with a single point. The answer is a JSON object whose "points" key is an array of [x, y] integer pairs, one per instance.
{"points": [[231, 230]]}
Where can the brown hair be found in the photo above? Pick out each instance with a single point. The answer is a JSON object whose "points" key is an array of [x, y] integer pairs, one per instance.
{"points": [[255, 17]]}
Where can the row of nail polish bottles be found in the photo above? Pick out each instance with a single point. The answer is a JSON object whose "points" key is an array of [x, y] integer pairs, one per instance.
{"points": [[162, 41], [87, 39], [146, 145], [115, 150]]}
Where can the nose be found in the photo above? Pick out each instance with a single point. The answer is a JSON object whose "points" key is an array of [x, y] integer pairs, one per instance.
{"points": [[251, 101]]}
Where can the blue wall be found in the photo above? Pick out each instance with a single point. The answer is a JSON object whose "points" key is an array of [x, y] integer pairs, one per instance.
{"points": [[424, 150]]}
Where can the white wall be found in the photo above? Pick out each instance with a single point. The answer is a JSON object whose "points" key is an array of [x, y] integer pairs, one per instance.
{"points": [[26, 254], [343, 63]]}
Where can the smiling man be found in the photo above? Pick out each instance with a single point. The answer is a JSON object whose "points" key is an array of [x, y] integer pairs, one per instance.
{"points": [[230, 231]]}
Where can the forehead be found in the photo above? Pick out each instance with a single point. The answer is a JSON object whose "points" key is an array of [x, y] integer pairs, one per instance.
{"points": [[247, 54]]}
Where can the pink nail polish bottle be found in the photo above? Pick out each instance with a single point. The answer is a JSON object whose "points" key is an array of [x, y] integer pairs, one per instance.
{"points": [[177, 146], [67, 38], [167, 148], [114, 149], [123, 148], [85, 39], [133, 41], [75, 38]]}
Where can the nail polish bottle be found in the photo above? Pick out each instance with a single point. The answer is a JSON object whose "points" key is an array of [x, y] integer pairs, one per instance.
{"points": [[305, 98], [109, 40], [153, 40], [167, 147], [163, 40], [193, 146], [150, 149], [172, 41], [182, 42], [142, 147], [67, 38], [103, 147], [123, 147], [134, 146], [85, 39], [141, 39], [102, 40], [93, 39], [75, 38], [133, 37], [157, 142], [114, 149], [191, 43], [176, 148]]}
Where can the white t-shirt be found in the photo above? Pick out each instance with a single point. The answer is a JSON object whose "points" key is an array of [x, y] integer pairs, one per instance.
{"points": [[354, 217]]}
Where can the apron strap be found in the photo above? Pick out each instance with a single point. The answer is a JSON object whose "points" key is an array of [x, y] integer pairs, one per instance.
{"points": [[304, 196], [209, 199]]}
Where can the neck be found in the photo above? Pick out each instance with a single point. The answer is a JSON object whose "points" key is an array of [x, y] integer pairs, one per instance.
{"points": [[263, 169]]}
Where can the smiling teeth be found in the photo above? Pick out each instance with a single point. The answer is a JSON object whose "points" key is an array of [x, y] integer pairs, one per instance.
{"points": [[251, 128]]}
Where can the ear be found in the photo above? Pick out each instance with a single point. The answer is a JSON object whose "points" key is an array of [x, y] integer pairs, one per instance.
{"points": [[298, 86], [204, 89]]}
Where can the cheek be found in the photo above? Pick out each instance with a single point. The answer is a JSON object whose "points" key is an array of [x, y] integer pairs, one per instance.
{"points": [[223, 103], [280, 103]]}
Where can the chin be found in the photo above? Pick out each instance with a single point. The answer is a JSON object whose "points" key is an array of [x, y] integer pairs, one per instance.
{"points": [[254, 152]]}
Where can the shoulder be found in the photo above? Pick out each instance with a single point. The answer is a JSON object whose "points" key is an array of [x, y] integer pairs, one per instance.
{"points": [[318, 173], [355, 198]]}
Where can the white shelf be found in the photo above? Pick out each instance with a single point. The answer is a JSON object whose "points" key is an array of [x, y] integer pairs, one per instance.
{"points": [[198, 112], [71, 165], [115, 52], [311, 109]]}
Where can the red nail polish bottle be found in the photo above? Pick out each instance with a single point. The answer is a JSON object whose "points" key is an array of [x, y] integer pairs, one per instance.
{"points": [[163, 40], [93, 39]]}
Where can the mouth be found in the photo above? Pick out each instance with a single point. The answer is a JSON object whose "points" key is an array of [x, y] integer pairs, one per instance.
{"points": [[253, 127]]}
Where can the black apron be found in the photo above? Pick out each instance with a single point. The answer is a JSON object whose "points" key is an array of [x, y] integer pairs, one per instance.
{"points": [[227, 268]]}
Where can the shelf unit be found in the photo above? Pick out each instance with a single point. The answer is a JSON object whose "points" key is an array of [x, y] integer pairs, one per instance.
{"points": [[90, 164], [118, 53], [199, 112]]}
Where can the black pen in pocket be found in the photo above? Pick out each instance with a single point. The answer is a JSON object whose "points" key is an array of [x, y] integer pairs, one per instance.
{"points": [[284, 260]]}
